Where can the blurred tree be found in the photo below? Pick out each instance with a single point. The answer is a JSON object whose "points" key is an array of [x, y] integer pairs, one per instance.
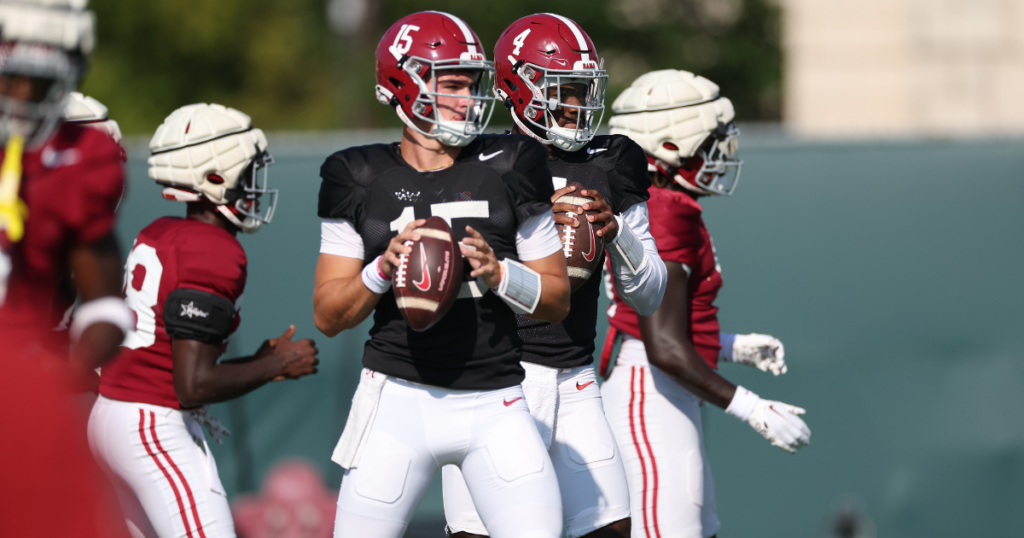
{"points": [[308, 64]]}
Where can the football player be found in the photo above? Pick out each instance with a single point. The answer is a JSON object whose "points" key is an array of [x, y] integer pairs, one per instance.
{"points": [[59, 187], [84, 110], [668, 360], [550, 78], [450, 394], [184, 280]]}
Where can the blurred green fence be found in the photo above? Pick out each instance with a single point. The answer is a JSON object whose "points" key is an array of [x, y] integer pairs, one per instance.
{"points": [[890, 270]]}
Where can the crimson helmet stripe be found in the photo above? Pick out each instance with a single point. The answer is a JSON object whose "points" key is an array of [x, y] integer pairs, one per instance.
{"points": [[576, 32], [466, 32]]}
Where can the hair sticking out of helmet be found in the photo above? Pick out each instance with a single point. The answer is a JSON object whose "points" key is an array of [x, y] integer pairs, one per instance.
{"points": [[550, 78], [211, 153], [42, 56], [432, 70], [686, 128]]}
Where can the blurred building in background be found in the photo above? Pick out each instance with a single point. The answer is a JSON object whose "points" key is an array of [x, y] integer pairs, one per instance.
{"points": [[936, 68]]}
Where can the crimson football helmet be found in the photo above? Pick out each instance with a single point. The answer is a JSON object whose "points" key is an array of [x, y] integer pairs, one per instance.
{"points": [[411, 56], [547, 68]]}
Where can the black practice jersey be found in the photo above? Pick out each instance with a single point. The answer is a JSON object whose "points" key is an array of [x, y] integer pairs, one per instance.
{"points": [[496, 183], [616, 167]]}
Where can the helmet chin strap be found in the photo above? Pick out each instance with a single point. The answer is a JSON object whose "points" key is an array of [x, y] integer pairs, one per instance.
{"points": [[529, 132], [249, 225]]}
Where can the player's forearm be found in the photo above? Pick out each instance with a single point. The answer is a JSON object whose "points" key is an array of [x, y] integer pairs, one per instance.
{"points": [[342, 304], [554, 299], [98, 343], [227, 380], [687, 367]]}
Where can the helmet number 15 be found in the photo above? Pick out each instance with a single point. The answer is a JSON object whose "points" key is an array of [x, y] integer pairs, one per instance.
{"points": [[403, 41]]}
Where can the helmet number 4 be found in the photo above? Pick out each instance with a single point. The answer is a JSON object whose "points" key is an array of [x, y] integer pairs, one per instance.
{"points": [[403, 41], [519, 41]]}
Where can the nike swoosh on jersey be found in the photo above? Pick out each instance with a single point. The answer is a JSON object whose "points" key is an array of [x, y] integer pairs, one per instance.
{"points": [[512, 401], [583, 386], [424, 283], [491, 156], [596, 150]]}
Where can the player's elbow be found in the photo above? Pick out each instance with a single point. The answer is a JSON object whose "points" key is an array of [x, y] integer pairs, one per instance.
{"points": [[190, 391]]}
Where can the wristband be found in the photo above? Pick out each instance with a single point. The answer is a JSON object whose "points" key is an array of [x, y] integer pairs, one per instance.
{"points": [[110, 310], [374, 279], [628, 246], [519, 287], [727, 341], [742, 404]]}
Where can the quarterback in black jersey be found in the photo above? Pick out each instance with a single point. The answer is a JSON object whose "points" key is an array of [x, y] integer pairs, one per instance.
{"points": [[561, 108], [449, 395]]}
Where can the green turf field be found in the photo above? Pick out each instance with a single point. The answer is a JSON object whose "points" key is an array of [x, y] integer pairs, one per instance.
{"points": [[889, 270]]}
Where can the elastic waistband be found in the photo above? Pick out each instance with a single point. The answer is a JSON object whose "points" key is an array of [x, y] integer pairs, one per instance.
{"points": [[158, 409], [442, 392]]}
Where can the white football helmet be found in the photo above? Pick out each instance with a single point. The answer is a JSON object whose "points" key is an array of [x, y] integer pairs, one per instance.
{"points": [[85, 110], [211, 152], [42, 39], [686, 128]]}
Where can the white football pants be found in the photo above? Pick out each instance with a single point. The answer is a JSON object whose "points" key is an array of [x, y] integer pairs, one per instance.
{"points": [[590, 475], [657, 425], [165, 477], [418, 429]]}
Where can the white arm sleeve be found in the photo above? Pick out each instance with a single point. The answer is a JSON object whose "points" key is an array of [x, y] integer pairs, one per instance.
{"points": [[339, 238], [641, 291], [537, 238]]}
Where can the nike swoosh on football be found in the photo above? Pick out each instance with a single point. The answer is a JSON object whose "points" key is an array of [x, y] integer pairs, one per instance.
{"points": [[583, 386], [510, 402], [596, 150], [491, 156], [424, 283], [589, 256]]}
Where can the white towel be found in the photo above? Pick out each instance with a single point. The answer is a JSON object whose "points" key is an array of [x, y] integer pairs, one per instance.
{"points": [[360, 418], [540, 389]]}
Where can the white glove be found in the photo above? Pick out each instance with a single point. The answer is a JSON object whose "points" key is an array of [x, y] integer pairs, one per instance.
{"points": [[762, 351], [777, 422]]}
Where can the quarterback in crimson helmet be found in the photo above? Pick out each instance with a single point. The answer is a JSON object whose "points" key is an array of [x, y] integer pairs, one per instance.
{"points": [[184, 280], [549, 76], [669, 359], [449, 394]]}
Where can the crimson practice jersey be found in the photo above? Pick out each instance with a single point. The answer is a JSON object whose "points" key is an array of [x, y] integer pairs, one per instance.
{"points": [[679, 231], [71, 187], [495, 184], [170, 254], [616, 167]]}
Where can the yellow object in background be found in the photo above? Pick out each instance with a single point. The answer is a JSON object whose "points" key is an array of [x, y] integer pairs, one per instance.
{"points": [[13, 210]]}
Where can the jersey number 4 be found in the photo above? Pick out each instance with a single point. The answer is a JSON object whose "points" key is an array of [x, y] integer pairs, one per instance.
{"points": [[141, 290]]}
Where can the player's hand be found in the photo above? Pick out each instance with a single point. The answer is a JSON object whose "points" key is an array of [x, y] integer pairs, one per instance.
{"points": [[397, 247], [781, 425], [762, 351], [597, 212], [481, 258], [296, 359]]}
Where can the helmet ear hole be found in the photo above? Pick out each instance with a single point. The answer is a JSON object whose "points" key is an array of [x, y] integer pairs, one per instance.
{"points": [[670, 146], [215, 179]]}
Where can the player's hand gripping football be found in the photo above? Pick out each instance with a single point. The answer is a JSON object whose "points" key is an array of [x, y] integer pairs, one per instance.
{"points": [[780, 424], [481, 258], [397, 247], [295, 358], [762, 351], [600, 212]]}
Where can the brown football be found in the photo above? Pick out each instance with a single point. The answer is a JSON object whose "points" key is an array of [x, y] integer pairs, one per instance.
{"points": [[427, 281], [581, 245]]}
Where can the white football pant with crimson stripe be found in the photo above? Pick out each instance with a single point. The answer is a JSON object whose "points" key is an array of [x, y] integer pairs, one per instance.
{"points": [[165, 477], [587, 463], [657, 425]]}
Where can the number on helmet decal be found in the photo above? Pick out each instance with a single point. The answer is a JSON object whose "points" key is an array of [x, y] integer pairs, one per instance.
{"points": [[519, 41], [403, 41], [141, 290]]}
